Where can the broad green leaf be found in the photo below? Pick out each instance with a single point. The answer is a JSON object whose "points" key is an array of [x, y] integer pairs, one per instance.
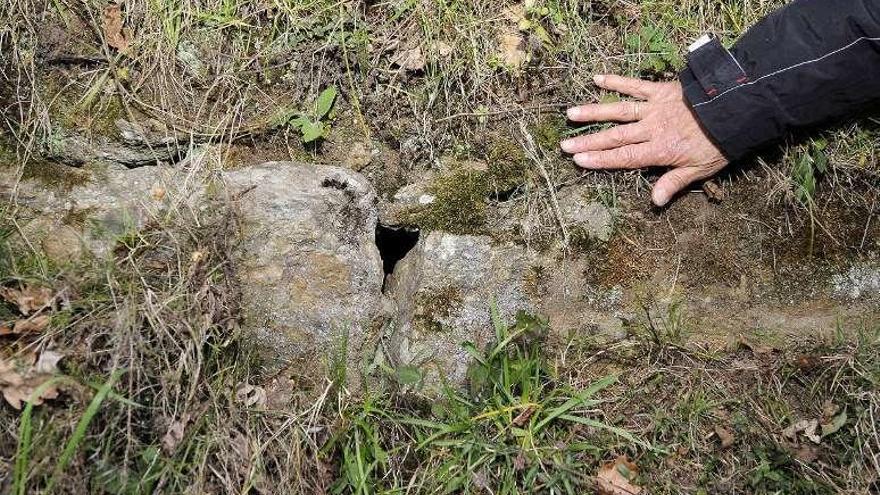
{"points": [[324, 103], [408, 375], [312, 131], [298, 122], [836, 423]]}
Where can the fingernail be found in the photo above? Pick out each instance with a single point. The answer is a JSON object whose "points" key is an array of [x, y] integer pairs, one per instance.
{"points": [[571, 113], [567, 145], [583, 160], [599, 79], [660, 199]]}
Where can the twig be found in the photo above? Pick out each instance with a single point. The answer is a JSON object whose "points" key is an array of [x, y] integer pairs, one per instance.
{"points": [[531, 108]]}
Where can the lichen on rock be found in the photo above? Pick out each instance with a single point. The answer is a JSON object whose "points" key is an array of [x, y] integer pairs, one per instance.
{"points": [[443, 291], [310, 270]]}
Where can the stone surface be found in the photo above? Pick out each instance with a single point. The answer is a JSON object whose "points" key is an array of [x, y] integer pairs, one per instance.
{"points": [[443, 290], [584, 216], [861, 281], [310, 271], [316, 299], [103, 204], [136, 144], [407, 197]]}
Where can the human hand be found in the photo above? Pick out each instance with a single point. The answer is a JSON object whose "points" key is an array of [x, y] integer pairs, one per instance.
{"points": [[663, 132]]}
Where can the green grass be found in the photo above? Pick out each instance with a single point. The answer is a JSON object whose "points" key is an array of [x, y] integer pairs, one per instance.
{"points": [[505, 432], [538, 414]]}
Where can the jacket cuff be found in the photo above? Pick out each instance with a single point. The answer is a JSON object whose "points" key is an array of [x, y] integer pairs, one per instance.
{"points": [[736, 115], [713, 127]]}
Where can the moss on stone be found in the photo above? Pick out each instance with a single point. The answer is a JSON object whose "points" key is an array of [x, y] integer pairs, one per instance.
{"points": [[70, 109], [55, 174], [77, 218], [463, 194], [43, 171], [459, 204], [548, 132], [431, 308]]}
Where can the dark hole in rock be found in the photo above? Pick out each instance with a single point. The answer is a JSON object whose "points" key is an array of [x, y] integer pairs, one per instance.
{"points": [[393, 243]]}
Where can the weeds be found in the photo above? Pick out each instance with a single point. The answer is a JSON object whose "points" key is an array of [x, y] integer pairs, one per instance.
{"points": [[516, 429]]}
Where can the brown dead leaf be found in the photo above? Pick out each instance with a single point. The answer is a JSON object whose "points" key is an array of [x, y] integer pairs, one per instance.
{"points": [[713, 191], [251, 395], [412, 59], [29, 299], [113, 32], [805, 426], [523, 417], [615, 477], [34, 324], [512, 49], [519, 462], [18, 385], [725, 436]]}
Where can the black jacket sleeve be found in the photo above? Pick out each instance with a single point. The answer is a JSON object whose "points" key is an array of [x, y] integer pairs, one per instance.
{"points": [[811, 61]]}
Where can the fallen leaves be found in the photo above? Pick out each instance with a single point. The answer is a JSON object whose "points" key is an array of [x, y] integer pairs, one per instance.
{"points": [[32, 325], [725, 436], [616, 477], [28, 299], [114, 33], [815, 430], [20, 381], [806, 427]]}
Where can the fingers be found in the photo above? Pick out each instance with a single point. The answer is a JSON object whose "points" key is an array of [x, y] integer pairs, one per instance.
{"points": [[674, 181], [624, 111], [607, 139], [630, 156], [625, 85]]}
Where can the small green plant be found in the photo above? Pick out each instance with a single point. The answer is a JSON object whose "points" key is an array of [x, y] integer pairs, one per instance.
{"points": [[812, 163], [513, 429], [806, 171], [660, 54], [315, 124]]}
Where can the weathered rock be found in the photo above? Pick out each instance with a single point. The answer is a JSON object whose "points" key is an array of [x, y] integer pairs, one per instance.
{"points": [[405, 199], [582, 216], [310, 271], [861, 281], [443, 290], [90, 215], [137, 144]]}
